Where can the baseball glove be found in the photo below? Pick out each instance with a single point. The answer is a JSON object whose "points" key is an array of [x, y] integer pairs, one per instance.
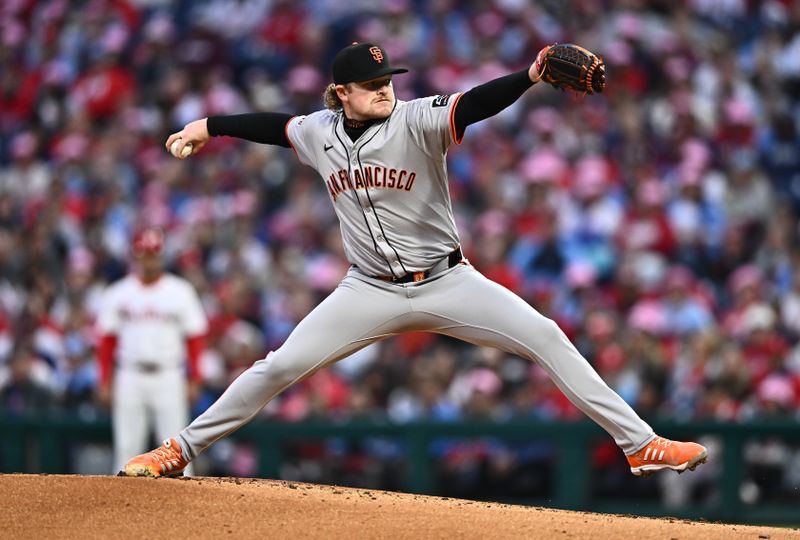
{"points": [[570, 66]]}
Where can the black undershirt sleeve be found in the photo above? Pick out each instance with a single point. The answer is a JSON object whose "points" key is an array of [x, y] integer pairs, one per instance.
{"points": [[260, 127], [475, 105], [490, 98]]}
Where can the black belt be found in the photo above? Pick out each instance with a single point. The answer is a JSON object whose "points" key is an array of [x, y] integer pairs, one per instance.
{"points": [[146, 367], [453, 259]]}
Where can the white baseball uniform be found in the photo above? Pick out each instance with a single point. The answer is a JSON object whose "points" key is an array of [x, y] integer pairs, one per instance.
{"points": [[151, 322], [390, 192]]}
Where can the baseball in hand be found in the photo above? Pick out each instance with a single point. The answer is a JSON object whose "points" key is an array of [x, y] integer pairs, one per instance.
{"points": [[187, 150]]}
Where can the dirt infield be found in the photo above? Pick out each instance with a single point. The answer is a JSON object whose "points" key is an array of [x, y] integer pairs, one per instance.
{"points": [[51, 506]]}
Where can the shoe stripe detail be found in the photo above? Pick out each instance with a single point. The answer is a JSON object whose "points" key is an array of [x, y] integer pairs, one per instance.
{"points": [[165, 460], [661, 455], [647, 455]]}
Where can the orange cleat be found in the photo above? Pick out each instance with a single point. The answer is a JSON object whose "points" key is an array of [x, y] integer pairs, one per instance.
{"points": [[166, 460], [663, 453]]}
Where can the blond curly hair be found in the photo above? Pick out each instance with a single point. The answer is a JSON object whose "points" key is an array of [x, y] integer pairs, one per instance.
{"points": [[332, 101]]}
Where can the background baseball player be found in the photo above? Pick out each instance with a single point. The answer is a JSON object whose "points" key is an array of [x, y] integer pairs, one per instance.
{"points": [[151, 323], [383, 163]]}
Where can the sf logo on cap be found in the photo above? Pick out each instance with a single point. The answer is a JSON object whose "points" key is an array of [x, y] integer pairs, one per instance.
{"points": [[376, 54]]}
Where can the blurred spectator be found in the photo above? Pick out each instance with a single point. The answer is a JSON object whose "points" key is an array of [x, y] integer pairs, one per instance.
{"points": [[26, 389], [686, 311]]}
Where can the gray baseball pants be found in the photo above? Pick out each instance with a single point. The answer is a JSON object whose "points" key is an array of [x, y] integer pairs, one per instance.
{"points": [[458, 302]]}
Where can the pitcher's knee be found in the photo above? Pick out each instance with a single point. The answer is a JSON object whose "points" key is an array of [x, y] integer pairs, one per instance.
{"points": [[278, 368], [549, 329], [543, 337]]}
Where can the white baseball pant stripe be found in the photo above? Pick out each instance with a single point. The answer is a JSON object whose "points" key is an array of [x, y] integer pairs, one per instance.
{"points": [[458, 302]]}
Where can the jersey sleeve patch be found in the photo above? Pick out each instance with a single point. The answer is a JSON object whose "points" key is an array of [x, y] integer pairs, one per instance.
{"points": [[440, 101]]}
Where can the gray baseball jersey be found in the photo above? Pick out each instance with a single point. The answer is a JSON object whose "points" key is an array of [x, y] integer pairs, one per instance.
{"points": [[389, 189]]}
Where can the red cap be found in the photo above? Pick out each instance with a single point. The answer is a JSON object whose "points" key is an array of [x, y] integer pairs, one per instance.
{"points": [[148, 241]]}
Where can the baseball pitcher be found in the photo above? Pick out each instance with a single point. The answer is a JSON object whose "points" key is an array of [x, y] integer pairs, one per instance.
{"points": [[151, 322], [383, 163]]}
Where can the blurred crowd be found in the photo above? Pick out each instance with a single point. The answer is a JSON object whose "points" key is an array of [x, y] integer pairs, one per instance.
{"points": [[657, 224]]}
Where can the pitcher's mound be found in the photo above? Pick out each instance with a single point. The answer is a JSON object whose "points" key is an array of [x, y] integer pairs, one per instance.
{"points": [[50, 506]]}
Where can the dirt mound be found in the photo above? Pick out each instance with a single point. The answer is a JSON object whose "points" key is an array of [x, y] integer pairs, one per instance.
{"points": [[54, 506]]}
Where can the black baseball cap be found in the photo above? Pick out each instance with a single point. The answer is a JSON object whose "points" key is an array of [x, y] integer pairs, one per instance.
{"points": [[361, 62]]}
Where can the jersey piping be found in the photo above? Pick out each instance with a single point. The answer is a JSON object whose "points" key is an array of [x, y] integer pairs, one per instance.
{"points": [[357, 198], [366, 190], [453, 132], [286, 132]]}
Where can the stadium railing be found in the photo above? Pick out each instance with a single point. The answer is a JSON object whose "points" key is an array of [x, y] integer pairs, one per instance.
{"points": [[41, 445]]}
